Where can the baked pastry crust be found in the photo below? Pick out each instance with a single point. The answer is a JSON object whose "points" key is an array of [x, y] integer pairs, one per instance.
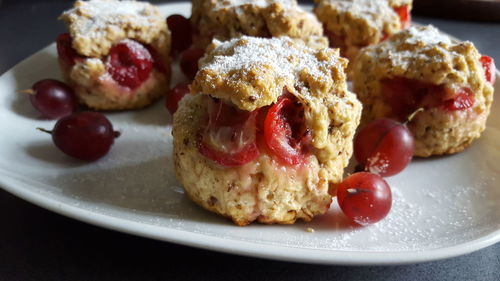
{"points": [[227, 19], [251, 73], [425, 54], [359, 23], [97, 25]]}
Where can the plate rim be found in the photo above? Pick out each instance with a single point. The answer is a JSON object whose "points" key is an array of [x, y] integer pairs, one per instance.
{"points": [[232, 246]]}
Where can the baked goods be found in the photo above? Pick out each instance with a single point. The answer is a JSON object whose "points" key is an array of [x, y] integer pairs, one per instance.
{"points": [[115, 55], [422, 68], [267, 129], [226, 19], [353, 24]]}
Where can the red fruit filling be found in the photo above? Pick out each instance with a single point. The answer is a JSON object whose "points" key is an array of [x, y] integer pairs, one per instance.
{"points": [[463, 99], [489, 68], [175, 95], [181, 33], [234, 137], [404, 15], [404, 96], [129, 64], [229, 139], [65, 50], [285, 132]]}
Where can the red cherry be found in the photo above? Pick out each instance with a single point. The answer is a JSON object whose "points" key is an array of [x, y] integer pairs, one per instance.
{"points": [[53, 99], [365, 198], [85, 135], [189, 61], [384, 147], [181, 33], [175, 95], [129, 63]]}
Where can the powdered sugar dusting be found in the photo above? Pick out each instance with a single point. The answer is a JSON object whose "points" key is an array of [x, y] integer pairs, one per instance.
{"points": [[427, 34], [101, 14], [258, 3], [424, 38], [368, 10], [275, 54]]}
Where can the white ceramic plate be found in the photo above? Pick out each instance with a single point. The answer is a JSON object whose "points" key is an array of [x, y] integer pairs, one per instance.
{"points": [[443, 207]]}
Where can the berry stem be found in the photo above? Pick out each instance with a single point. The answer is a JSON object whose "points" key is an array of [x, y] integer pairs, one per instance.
{"points": [[117, 134], [44, 130], [414, 113], [27, 91]]}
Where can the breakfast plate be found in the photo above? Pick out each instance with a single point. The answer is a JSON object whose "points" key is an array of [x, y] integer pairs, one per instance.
{"points": [[443, 206]]}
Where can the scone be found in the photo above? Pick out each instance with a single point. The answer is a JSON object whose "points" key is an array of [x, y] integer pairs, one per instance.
{"points": [[423, 68], [267, 128], [227, 19], [115, 55], [353, 24]]}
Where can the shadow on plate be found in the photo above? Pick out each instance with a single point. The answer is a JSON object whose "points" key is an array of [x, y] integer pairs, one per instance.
{"points": [[145, 189], [47, 152]]}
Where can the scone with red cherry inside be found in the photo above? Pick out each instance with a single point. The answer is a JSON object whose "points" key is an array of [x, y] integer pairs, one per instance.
{"points": [[115, 54], [423, 68], [267, 129], [227, 19], [353, 24]]}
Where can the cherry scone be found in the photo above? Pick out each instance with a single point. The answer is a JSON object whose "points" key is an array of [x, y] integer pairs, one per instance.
{"points": [[227, 19], [267, 129], [353, 24], [115, 54], [423, 68]]}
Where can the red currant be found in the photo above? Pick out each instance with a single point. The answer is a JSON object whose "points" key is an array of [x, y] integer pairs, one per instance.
{"points": [[53, 99], [364, 198], [181, 33], [85, 135], [129, 63], [175, 95], [384, 147], [189, 61]]}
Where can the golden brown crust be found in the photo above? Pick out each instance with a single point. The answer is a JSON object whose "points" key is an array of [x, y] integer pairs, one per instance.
{"points": [[227, 19], [264, 190], [359, 23], [424, 54], [96, 25]]}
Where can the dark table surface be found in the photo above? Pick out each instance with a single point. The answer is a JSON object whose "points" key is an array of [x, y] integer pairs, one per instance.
{"points": [[36, 244]]}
